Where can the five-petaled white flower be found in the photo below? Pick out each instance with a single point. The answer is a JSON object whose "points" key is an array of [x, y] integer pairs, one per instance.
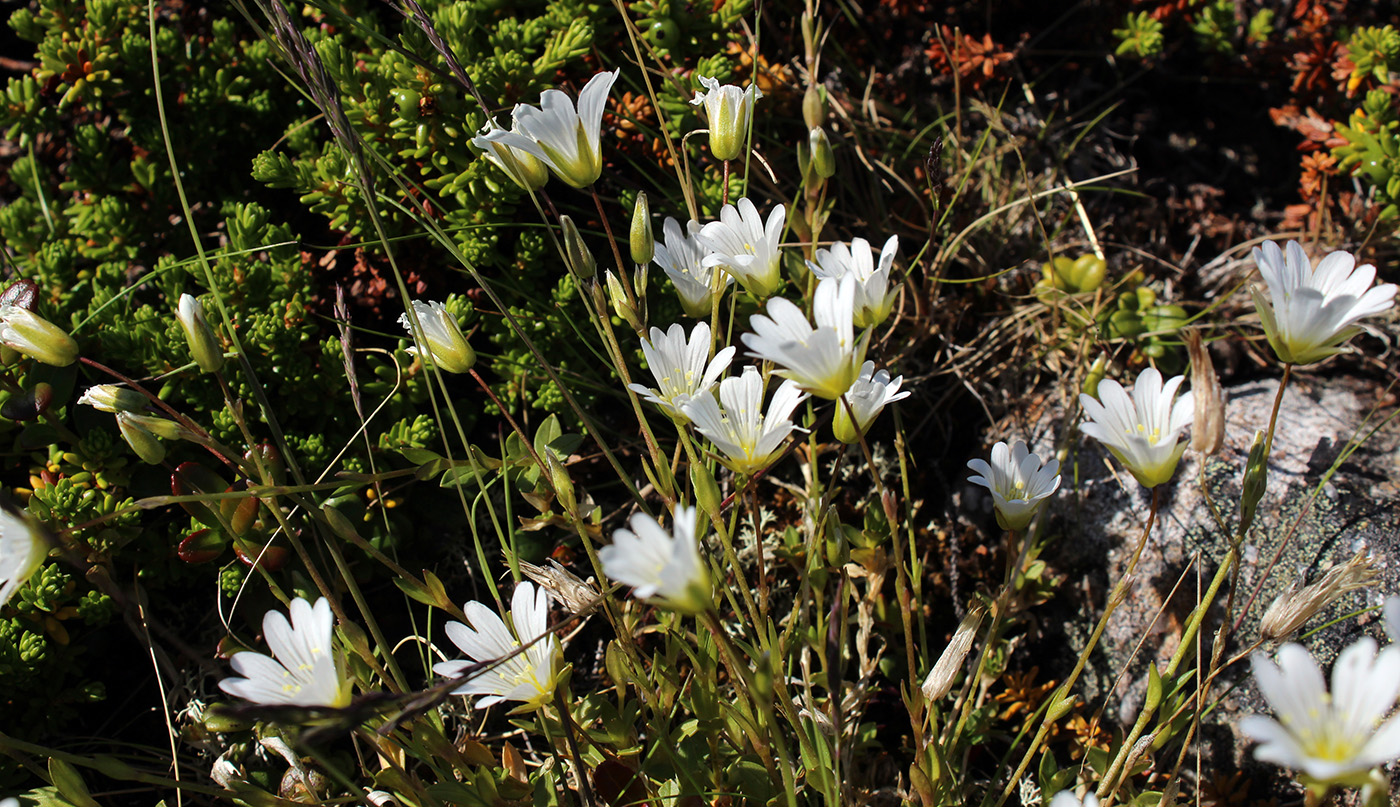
{"points": [[1141, 431], [659, 564], [523, 167], [874, 297], [824, 360], [728, 110], [682, 257], [1018, 482], [445, 342], [749, 439], [566, 139], [1334, 738], [1312, 311], [868, 397], [746, 247], [303, 670], [22, 552], [497, 666], [680, 366]]}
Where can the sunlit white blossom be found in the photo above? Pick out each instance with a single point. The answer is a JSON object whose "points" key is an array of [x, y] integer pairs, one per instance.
{"points": [[1312, 311], [523, 167], [746, 247], [568, 140], [508, 675], [659, 563], [824, 359], [1142, 431], [681, 366], [874, 297], [1066, 798], [682, 257], [1018, 482], [868, 397], [1333, 738], [445, 342], [303, 669], [748, 439]]}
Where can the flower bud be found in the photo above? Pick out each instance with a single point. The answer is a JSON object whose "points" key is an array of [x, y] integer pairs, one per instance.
{"points": [[940, 679], [445, 342], [113, 398], [617, 296], [204, 347], [523, 168], [576, 253], [814, 106], [823, 161], [1256, 480], [1208, 427], [1096, 373], [26, 332], [146, 445], [160, 427], [642, 242]]}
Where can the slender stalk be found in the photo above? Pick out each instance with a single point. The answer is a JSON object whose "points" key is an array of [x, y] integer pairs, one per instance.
{"points": [[617, 253], [724, 185], [566, 719]]}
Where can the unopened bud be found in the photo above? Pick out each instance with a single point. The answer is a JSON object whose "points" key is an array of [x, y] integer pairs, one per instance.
{"points": [[823, 161], [940, 679], [1294, 607], [560, 480], [160, 427], [112, 398], [1208, 427], [1256, 480], [26, 332], [617, 297], [146, 445], [814, 106], [576, 253], [642, 242], [1096, 373], [204, 347]]}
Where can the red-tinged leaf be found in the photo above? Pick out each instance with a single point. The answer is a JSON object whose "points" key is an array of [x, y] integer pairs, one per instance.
{"points": [[270, 558], [201, 546], [193, 479]]}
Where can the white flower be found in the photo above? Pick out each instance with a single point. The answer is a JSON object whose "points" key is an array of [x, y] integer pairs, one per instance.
{"points": [[745, 247], [659, 564], [567, 140], [874, 297], [22, 552], [1314, 310], [1336, 738], [1141, 431], [683, 259], [749, 439], [527, 675], [302, 671], [1392, 618], [868, 397], [1066, 798], [824, 360], [113, 398], [523, 167], [26, 332], [679, 366], [449, 348], [1017, 481], [728, 110]]}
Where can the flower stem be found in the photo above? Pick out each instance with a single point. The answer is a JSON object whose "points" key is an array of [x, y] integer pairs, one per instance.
{"points": [[617, 253]]}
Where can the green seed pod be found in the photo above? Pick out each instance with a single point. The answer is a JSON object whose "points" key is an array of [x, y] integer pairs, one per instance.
{"points": [[642, 242], [576, 253]]}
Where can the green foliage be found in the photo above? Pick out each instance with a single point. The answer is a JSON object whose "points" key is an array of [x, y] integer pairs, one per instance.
{"points": [[1375, 51], [1214, 27], [1372, 150], [1140, 36]]}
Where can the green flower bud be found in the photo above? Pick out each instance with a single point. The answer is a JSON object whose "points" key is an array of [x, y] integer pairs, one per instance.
{"points": [[642, 242], [823, 161], [146, 445], [28, 333], [576, 253], [814, 106], [1256, 480], [617, 296], [204, 346], [112, 398]]}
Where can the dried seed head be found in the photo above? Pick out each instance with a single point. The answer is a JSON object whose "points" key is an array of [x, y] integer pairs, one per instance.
{"points": [[1208, 427], [940, 679], [1299, 603], [564, 587]]}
